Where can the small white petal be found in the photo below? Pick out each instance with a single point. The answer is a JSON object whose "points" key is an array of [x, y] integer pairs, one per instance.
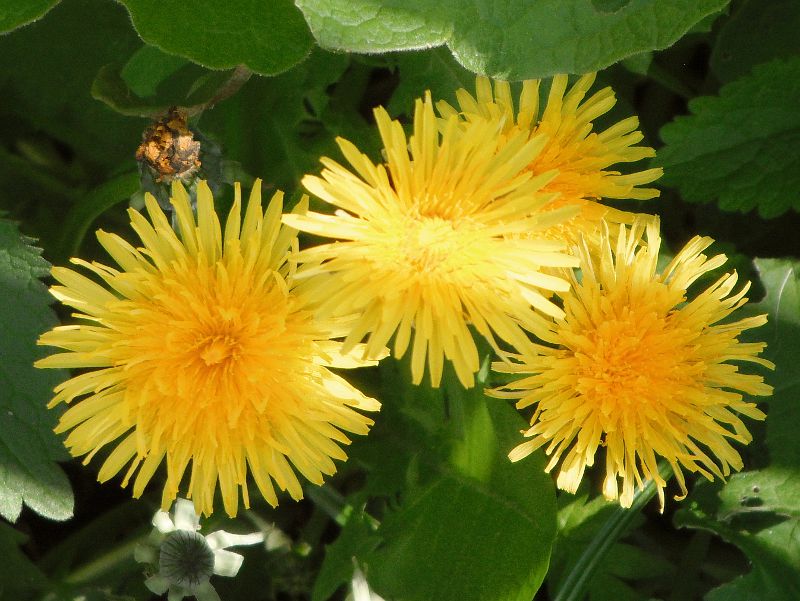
{"points": [[222, 540], [361, 590], [175, 594], [157, 584], [227, 563], [185, 516], [206, 592], [277, 539], [162, 522]]}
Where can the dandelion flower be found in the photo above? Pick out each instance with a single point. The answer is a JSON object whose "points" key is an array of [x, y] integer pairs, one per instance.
{"points": [[639, 369], [431, 242], [583, 158], [198, 349]]}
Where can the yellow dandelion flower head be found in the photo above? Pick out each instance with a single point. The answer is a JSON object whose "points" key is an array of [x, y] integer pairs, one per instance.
{"points": [[583, 158], [198, 349], [639, 369], [430, 242]]}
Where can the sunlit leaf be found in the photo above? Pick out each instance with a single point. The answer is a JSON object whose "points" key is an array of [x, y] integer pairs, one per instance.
{"points": [[21, 12], [505, 39], [268, 37]]}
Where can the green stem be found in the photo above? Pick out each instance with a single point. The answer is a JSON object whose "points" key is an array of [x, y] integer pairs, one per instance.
{"points": [[330, 502], [334, 505], [105, 563], [239, 76], [576, 584]]}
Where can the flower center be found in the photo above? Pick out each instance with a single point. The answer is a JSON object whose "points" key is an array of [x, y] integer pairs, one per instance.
{"points": [[216, 349], [432, 244], [630, 362], [186, 559]]}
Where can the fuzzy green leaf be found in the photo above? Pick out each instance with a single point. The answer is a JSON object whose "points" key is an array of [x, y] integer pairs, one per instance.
{"points": [[505, 39], [268, 37], [740, 148], [28, 448], [18, 13]]}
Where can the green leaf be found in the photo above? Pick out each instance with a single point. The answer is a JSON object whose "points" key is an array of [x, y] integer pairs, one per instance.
{"points": [[84, 212], [31, 191], [639, 63], [28, 448], [579, 523], [740, 148], [147, 68], [357, 539], [19, 576], [432, 70], [767, 537], [191, 87], [47, 70], [759, 511], [21, 12], [481, 513], [459, 526], [109, 87], [268, 37], [772, 490], [741, 44], [454, 504], [505, 39], [781, 279], [100, 552]]}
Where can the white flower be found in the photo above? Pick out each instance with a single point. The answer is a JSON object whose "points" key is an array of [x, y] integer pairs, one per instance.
{"points": [[186, 559], [360, 590]]}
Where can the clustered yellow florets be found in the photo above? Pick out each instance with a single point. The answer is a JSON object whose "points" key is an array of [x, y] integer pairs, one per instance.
{"points": [[208, 349], [640, 369], [204, 357]]}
